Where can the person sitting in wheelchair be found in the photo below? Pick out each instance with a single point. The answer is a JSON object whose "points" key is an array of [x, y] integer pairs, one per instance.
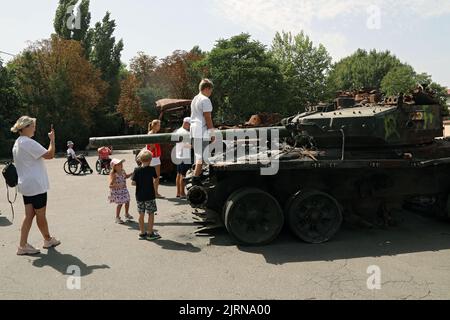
{"points": [[103, 156], [71, 155]]}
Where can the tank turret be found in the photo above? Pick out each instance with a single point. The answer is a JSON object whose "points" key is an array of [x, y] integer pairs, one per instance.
{"points": [[360, 121]]}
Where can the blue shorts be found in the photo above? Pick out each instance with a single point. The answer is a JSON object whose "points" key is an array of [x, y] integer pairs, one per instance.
{"points": [[183, 168]]}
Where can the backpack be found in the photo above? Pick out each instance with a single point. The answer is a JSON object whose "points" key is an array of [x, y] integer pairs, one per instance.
{"points": [[11, 178]]}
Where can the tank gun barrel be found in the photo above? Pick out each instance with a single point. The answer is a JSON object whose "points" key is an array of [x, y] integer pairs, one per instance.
{"points": [[167, 138]]}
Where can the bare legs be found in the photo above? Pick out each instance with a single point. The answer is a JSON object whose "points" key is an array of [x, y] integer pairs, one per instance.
{"points": [[151, 221], [127, 209], [141, 223], [41, 221], [156, 180], [119, 209], [180, 186], [26, 224]]}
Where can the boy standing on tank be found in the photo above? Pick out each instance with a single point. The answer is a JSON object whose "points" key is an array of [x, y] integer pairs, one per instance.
{"points": [[145, 195]]}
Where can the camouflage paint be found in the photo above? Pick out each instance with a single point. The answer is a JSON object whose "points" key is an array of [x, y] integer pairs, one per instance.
{"points": [[428, 117], [390, 127]]}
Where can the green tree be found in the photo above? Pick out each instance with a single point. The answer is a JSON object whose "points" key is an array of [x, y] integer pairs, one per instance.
{"points": [[196, 69], [106, 57], [440, 91], [62, 17], [362, 70], [401, 79], [178, 74], [304, 67], [59, 86], [81, 34], [383, 71], [106, 53], [130, 105], [99, 43], [10, 108], [73, 24], [148, 97], [246, 79], [143, 67]]}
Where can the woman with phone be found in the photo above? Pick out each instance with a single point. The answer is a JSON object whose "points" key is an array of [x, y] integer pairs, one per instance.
{"points": [[33, 181]]}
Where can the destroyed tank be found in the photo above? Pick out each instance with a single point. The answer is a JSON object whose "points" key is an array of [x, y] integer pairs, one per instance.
{"points": [[357, 159]]}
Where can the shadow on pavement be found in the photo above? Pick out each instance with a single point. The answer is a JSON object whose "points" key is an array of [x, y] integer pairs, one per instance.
{"points": [[415, 234], [175, 224], [135, 225], [60, 262], [177, 246], [81, 175], [169, 244], [177, 201], [4, 222]]}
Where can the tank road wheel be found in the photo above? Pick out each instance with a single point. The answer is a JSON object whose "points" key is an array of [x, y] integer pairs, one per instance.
{"points": [[441, 209], [253, 217], [313, 216]]}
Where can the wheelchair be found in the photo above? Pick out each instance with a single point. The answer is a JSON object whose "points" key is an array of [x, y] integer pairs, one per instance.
{"points": [[74, 167], [103, 166]]}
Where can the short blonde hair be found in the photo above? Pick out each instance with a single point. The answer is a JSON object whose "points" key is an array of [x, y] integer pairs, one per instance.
{"points": [[145, 156], [22, 123], [205, 84]]}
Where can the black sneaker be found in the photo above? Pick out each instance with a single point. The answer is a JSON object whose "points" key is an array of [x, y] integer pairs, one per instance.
{"points": [[153, 236], [143, 236]]}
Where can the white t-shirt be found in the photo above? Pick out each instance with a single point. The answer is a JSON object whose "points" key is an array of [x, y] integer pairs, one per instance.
{"points": [[33, 178], [199, 105], [183, 150], [71, 153]]}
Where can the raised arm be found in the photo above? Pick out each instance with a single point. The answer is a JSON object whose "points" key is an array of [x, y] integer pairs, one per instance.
{"points": [[50, 154]]}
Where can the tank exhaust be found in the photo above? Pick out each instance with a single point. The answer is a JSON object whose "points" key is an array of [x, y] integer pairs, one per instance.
{"points": [[197, 197]]}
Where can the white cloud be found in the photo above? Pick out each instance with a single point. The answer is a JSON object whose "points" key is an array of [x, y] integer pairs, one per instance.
{"points": [[336, 44], [296, 15], [301, 13]]}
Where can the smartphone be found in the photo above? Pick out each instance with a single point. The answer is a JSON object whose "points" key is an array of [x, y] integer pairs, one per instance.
{"points": [[52, 127]]}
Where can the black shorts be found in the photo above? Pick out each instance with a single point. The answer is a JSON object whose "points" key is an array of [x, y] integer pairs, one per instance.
{"points": [[183, 168], [38, 202]]}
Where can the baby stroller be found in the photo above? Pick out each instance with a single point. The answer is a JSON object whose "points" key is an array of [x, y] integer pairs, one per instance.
{"points": [[103, 164]]}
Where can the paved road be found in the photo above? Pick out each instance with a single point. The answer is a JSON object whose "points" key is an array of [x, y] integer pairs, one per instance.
{"points": [[414, 259]]}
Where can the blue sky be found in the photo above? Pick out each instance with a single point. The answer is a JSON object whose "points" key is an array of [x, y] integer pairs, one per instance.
{"points": [[417, 31]]}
